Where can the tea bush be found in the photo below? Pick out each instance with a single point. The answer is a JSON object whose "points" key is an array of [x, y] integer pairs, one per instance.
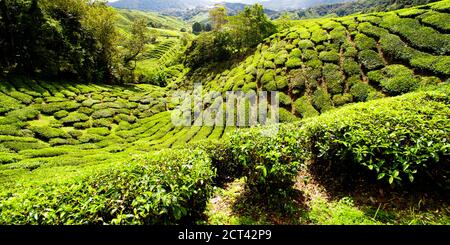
{"points": [[396, 79], [364, 42], [360, 91], [370, 59], [322, 100], [270, 161], [304, 108], [397, 138], [168, 187]]}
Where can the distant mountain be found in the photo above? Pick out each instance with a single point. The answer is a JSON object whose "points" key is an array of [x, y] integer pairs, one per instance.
{"points": [[159, 5], [297, 4], [200, 14], [178, 5], [359, 6]]}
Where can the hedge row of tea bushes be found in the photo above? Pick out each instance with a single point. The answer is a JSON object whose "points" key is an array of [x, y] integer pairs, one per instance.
{"points": [[168, 187], [395, 140]]}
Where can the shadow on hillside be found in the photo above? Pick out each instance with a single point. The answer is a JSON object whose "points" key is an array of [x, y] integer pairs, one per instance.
{"points": [[368, 192], [252, 209]]}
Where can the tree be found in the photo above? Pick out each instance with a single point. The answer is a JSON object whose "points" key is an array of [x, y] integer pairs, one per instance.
{"points": [[250, 27], [284, 22], [218, 17], [51, 38], [136, 44], [197, 28], [208, 27]]}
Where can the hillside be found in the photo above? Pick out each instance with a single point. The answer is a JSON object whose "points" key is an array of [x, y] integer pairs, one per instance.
{"points": [[364, 133], [360, 6], [326, 63]]}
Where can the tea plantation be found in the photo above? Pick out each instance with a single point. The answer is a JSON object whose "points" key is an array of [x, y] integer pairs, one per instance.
{"points": [[363, 98]]}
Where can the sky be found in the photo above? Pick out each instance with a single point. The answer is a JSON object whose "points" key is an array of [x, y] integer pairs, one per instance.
{"points": [[230, 1]]}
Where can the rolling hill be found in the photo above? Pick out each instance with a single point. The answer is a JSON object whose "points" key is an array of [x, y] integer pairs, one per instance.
{"points": [[365, 96]]}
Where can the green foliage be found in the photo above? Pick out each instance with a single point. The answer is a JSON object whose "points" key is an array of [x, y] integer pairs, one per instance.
{"points": [[396, 79], [384, 135], [370, 59], [322, 101], [61, 114], [105, 113], [329, 56], [351, 67], [420, 36], [75, 117], [334, 78], [340, 100], [270, 172], [304, 108], [52, 38], [364, 42], [360, 91], [162, 188], [293, 63], [48, 133], [58, 106]]}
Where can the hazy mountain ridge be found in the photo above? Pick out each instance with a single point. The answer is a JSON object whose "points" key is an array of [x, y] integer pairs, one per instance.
{"points": [[171, 5]]}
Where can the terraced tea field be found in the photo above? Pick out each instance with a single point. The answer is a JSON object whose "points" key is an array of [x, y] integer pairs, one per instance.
{"points": [[63, 128], [116, 157]]}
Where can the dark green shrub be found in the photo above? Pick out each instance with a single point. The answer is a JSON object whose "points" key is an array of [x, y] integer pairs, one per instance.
{"points": [[286, 117], [11, 129], [122, 117], [396, 79], [437, 20], [293, 63], [321, 100], [370, 59], [75, 117], [310, 54], [58, 106], [269, 76], [397, 138], [329, 56], [47, 133], [82, 125], [8, 158], [248, 87], [419, 36], [21, 145], [304, 108], [24, 98], [351, 67], [364, 42], [103, 122], [340, 100], [318, 36], [305, 44], [105, 113], [99, 131], [360, 91], [169, 187], [334, 78], [47, 152], [270, 172], [86, 110], [61, 114]]}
